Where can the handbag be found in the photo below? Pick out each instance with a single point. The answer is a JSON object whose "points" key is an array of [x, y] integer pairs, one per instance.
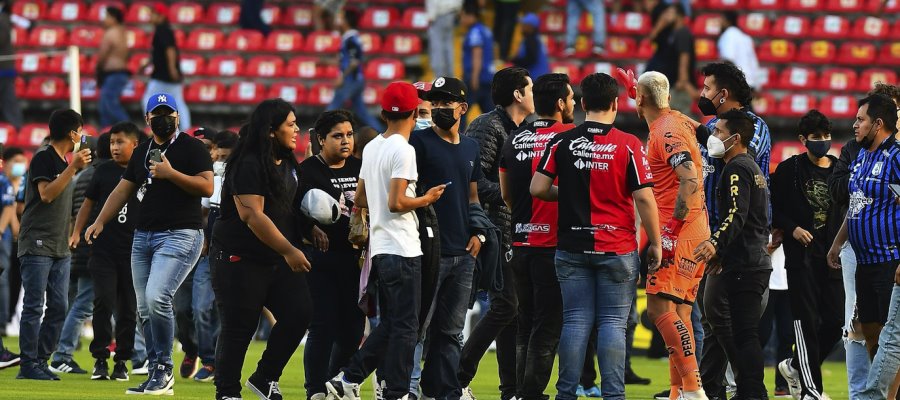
{"points": [[359, 226]]}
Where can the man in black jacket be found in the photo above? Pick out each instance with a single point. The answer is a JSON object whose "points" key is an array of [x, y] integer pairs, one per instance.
{"points": [[802, 207], [512, 92]]}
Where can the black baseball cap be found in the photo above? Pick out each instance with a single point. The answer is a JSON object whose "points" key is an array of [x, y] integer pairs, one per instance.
{"points": [[447, 88]]}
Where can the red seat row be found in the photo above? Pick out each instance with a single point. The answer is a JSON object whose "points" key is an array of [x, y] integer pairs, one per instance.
{"points": [[809, 6], [794, 105], [798, 26], [832, 79], [825, 53], [627, 23], [320, 94]]}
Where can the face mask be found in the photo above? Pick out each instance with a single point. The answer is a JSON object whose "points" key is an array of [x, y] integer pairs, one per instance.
{"points": [[163, 126], [818, 148], [715, 147], [18, 170], [423, 123], [443, 118], [869, 139], [219, 168], [707, 107]]}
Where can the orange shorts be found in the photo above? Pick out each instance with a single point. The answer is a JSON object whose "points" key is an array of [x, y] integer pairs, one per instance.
{"points": [[680, 281]]}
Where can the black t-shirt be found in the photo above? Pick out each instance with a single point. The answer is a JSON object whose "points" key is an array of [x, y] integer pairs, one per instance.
{"points": [[671, 43], [340, 183], [43, 231], [743, 232], [814, 185], [163, 38], [118, 233], [162, 204], [233, 236]]}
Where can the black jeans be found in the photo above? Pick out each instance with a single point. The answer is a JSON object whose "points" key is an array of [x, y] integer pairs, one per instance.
{"points": [[733, 307], [777, 317], [540, 320], [499, 324], [242, 289], [337, 322], [391, 345], [184, 316], [113, 290]]}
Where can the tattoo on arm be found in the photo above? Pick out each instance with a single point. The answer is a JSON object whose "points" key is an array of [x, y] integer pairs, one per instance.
{"points": [[688, 184]]}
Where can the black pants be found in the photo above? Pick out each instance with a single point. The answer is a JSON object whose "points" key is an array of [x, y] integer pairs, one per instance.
{"points": [[733, 307], [499, 324], [242, 289], [337, 322], [777, 318], [184, 316], [15, 281], [506, 14], [540, 320], [817, 304], [113, 291]]}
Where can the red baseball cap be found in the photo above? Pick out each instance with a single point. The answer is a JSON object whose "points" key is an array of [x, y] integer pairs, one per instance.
{"points": [[423, 88], [161, 8], [400, 97]]}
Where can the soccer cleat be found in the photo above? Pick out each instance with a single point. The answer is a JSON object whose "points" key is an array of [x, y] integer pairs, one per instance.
{"points": [[188, 366], [101, 371], [120, 372], [340, 389], [206, 374], [66, 367], [140, 368], [161, 381], [792, 376], [264, 388], [467, 394]]}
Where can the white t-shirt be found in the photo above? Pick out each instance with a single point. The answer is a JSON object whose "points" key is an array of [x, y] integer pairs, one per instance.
{"points": [[390, 233], [737, 47]]}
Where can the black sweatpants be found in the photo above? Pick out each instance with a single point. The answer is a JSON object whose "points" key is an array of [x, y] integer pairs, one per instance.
{"points": [[817, 304], [242, 289], [113, 291]]}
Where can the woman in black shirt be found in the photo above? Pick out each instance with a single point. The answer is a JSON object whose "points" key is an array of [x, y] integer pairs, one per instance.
{"points": [[254, 260]]}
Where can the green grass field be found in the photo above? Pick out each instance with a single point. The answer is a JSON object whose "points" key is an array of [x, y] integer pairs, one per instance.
{"points": [[484, 386]]}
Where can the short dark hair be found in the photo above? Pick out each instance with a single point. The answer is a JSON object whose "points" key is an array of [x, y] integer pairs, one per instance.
{"points": [[739, 122], [226, 139], [598, 92], [732, 78], [396, 115], [62, 122], [329, 119], [129, 129], [881, 107], [351, 17], [814, 122], [103, 150], [506, 81], [892, 91], [116, 13], [11, 152], [731, 16], [471, 7], [548, 89]]}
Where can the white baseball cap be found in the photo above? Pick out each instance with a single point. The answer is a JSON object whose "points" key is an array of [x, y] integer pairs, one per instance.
{"points": [[320, 206]]}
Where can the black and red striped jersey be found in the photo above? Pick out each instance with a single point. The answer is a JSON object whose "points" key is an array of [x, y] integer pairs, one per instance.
{"points": [[534, 221], [597, 167]]}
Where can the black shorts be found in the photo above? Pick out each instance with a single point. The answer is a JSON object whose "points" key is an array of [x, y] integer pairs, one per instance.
{"points": [[874, 283]]}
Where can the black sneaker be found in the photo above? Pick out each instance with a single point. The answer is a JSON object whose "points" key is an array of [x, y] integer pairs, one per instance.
{"points": [[120, 372], [139, 389], [664, 395], [161, 381], [264, 388], [340, 389], [188, 366], [101, 371], [66, 367], [8, 358], [632, 378], [33, 372], [43, 366]]}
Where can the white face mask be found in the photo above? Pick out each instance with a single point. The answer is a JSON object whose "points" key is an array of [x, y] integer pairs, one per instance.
{"points": [[715, 147], [219, 168], [423, 123]]}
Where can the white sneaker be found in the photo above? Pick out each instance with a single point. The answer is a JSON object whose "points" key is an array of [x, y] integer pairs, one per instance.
{"points": [[698, 395], [342, 390], [467, 394], [792, 376]]}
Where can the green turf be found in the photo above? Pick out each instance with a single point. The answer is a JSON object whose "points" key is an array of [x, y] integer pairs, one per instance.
{"points": [[484, 386]]}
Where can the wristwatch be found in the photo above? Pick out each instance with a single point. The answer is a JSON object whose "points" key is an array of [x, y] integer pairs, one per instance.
{"points": [[481, 238]]}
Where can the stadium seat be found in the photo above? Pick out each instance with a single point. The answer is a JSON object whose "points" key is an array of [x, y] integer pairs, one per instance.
{"points": [[19, 37], [320, 94], [402, 44], [629, 23], [246, 93], [192, 64], [302, 67], [244, 40], [567, 68], [46, 88], [223, 13], [845, 6], [553, 22], [645, 50], [291, 92], [271, 14], [889, 7], [765, 5], [617, 47], [300, 16], [371, 42], [134, 90], [791, 26], [706, 50], [66, 11], [30, 9], [284, 41], [384, 69], [830, 27], [86, 37], [838, 79], [139, 12], [763, 104], [805, 6], [204, 40], [796, 78], [49, 36], [372, 94], [870, 28], [415, 19], [265, 67], [551, 45], [186, 13], [31, 63], [225, 65], [89, 89], [706, 25], [137, 39], [795, 105], [138, 60], [379, 18], [754, 24], [7, 132], [856, 53], [60, 63], [32, 135], [816, 52], [870, 77], [890, 54], [838, 106], [97, 12], [895, 32], [205, 91], [322, 43], [597, 67], [724, 4]]}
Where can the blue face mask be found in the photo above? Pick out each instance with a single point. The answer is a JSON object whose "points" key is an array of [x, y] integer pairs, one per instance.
{"points": [[422, 123], [18, 170]]}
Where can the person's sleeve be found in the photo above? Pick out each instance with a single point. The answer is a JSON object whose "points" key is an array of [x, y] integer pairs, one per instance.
{"points": [[403, 164], [638, 175], [683, 42], [131, 170], [169, 38], [547, 165], [92, 191], [477, 174], [675, 148], [839, 180], [475, 38], [782, 184], [41, 168], [761, 145], [246, 179], [199, 159], [485, 133], [737, 181]]}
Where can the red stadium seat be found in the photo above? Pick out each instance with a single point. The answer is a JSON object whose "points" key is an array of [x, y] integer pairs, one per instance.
{"points": [[223, 13], [138, 60], [186, 13], [765, 5], [68, 11], [830, 27], [137, 39], [838, 79], [551, 45], [791, 26], [870, 28], [271, 14], [31, 9], [134, 90], [371, 42], [204, 40], [754, 24], [816, 52], [890, 54], [840, 106], [322, 43], [889, 7], [298, 16], [302, 67], [706, 50], [777, 51], [32, 135], [402, 44], [7, 132], [265, 67], [97, 12], [19, 37], [372, 94], [763, 104], [284, 41], [230, 65], [61, 64], [895, 33], [857, 53], [870, 77], [845, 6], [89, 89], [246, 93], [797, 78], [86, 36], [320, 94], [46, 88], [31, 63], [384, 69], [291, 92], [139, 12], [192, 64], [805, 6], [415, 19], [630, 23], [618, 47], [244, 40], [204, 91], [707, 25], [724, 4], [795, 105], [379, 18], [598, 67], [553, 22], [586, 23], [567, 68], [49, 36]]}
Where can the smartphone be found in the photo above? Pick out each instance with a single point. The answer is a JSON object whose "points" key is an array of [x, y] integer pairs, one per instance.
{"points": [[156, 155], [448, 183], [896, 189], [81, 144]]}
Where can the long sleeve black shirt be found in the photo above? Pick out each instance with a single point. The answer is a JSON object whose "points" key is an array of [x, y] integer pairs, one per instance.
{"points": [[743, 232]]}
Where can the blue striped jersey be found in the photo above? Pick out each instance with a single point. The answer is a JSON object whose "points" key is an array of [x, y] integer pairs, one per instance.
{"points": [[873, 218]]}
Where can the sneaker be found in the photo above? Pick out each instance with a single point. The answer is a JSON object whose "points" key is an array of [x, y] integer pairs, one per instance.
{"points": [[340, 389], [593, 391], [792, 377], [66, 367], [632, 378], [782, 392], [568, 52], [224, 397], [579, 391], [101, 371], [206, 374], [33, 372], [467, 394], [120, 372], [697, 395], [664, 395], [379, 389], [161, 380], [8, 359], [264, 388], [46, 369], [139, 389], [142, 368], [318, 396], [188, 366]]}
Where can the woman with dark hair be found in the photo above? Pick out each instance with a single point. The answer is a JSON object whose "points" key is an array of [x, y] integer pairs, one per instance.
{"points": [[253, 257]]}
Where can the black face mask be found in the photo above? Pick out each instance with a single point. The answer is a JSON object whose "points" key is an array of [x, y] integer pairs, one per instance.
{"points": [[163, 126], [818, 148], [707, 107], [443, 118], [869, 139]]}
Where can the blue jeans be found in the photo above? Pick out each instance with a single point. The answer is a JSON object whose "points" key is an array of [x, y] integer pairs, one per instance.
{"points": [[140, 347], [82, 309], [175, 89], [42, 275], [416, 376], [440, 44], [159, 262], [857, 353], [696, 314], [596, 289], [887, 361], [444, 325], [352, 90], [111, 110], [206, 319], [573, 17]]}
